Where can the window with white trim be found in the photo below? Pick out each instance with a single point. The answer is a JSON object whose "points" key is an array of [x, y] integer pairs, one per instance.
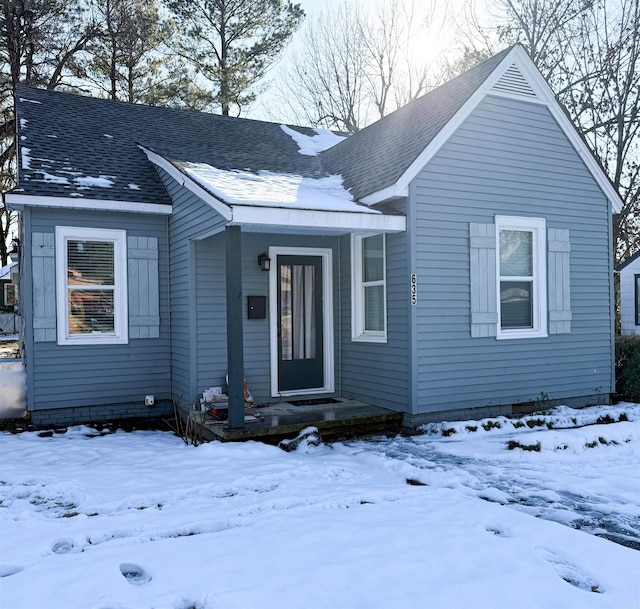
{"points": [[369, 292], [91, 288], [522, 277]]}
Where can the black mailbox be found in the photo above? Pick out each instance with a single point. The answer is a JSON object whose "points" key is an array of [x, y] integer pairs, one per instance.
{"points": [[256, 307]]}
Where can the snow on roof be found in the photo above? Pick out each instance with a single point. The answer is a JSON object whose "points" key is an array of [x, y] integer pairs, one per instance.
{"points": [[5, 271], [268, 189], [312, 145]]}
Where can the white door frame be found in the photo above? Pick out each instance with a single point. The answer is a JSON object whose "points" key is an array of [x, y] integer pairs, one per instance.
{"points": [[327, 300]]}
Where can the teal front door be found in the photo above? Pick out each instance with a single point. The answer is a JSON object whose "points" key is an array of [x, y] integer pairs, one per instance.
{"points": [[300, 322]]}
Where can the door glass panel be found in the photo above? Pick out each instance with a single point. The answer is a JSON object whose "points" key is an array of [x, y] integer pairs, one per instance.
{"points": [[285, 312], [298, 311], [516, 253], [516, 304], [309, 312]]}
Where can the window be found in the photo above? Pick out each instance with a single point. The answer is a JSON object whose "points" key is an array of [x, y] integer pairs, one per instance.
{"points": [[637, 301], [10, 294], [91, 286], [521, 272], [369, 301]]}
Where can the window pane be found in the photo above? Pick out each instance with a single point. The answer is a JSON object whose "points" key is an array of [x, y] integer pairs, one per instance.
{"points": [[91, 311], [286, 329], [372, 256], [374, 308], [516, 304], [516, 253], [90, 262]]}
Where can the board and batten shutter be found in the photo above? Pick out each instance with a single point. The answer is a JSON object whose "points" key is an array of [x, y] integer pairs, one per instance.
{"points": [[559, 293], [143, 287], [484, 305], [43, 268]]}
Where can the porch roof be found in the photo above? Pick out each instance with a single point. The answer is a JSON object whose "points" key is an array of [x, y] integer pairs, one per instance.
{"points": [[278, 201]]}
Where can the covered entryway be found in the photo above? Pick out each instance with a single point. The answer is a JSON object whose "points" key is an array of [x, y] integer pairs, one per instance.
{"points": [[301, 322]]}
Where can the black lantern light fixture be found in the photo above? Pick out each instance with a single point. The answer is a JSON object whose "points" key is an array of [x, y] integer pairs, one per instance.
{"points": [[15, 248], [264, 261]]}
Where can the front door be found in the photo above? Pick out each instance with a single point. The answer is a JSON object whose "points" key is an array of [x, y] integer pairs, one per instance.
{"points": [[300, 323]]}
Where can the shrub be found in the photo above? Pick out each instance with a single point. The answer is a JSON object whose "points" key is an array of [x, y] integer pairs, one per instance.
{"points": [[628, 367]]}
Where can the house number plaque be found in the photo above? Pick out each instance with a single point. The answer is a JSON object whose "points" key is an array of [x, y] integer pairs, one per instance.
{"points": [[414, 289]]}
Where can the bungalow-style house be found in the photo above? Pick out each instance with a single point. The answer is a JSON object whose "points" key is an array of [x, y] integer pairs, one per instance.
{"points": [[629, 272], [451, 260]]}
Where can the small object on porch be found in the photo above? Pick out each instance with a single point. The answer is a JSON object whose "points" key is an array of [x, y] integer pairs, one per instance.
{"points": [[309, 436]]}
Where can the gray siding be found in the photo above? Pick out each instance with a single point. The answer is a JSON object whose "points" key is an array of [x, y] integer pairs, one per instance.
{"points": [[72, 376], [190, 219], [378, 372], [211, 308], [509, 158]]}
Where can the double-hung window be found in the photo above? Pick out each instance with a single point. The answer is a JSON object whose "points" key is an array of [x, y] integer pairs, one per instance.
{"points": [[91, 285], [369, 299], [522, 278]]}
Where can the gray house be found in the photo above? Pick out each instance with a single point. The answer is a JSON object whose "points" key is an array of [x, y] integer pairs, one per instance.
{"points": [[629, 273], [450, 260]]}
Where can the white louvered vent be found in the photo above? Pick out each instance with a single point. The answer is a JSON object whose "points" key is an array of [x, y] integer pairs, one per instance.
{"points": [[514, 83]]}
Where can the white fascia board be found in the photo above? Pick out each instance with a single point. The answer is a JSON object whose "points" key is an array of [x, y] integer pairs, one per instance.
{"points": [[222, 208], [18, 201], [545, 96], [390, 192], [316, 219]]}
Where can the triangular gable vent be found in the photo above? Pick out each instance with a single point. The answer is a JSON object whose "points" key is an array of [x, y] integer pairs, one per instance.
{"points": [[514, 83]]}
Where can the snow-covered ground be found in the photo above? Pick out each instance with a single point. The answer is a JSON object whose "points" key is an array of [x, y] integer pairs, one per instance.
{"points": [[444, 520]]}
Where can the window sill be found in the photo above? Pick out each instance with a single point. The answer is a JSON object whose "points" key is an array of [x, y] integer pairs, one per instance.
{"points": [[514, 334], [369, 338]]}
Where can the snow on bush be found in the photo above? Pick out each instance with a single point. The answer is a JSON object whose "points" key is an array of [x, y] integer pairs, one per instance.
{"points": [[13, 390]]}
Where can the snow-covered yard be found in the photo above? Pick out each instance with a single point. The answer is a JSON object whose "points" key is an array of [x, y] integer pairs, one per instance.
{"points": [[443, 520]]}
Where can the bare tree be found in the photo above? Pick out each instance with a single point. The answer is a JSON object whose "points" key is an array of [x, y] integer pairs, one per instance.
{"points": [[355, 65], [326, 80]]}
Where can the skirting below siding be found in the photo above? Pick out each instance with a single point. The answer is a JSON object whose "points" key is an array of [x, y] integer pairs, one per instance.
{"points": [[483, 412], [92, 414]]}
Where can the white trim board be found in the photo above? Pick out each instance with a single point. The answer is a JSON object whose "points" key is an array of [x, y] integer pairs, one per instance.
{"points": [[17, 201], [223, 209], [327, 298], [518, 57]]}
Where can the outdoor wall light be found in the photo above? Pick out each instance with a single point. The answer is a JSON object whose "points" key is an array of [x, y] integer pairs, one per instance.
{"points": [[264, 261], [15, 249]]}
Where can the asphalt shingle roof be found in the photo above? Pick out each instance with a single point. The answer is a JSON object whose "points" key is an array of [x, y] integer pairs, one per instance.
{"points": [[378, 155], [66, 138]]}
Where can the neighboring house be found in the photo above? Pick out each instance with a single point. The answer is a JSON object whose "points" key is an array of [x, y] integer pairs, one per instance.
{"points": [[8, 287], [450, 260], [629, 272]]}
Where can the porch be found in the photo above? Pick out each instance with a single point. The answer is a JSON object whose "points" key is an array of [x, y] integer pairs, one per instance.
{"points": [[335, 418]]}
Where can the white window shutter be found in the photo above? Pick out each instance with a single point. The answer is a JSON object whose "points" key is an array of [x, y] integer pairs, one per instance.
{"points": [[43, 266], [559, 251], [484, 305], [144, 297]]}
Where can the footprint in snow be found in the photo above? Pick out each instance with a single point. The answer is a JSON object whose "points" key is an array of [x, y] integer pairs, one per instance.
{"points": [[570, 573], [62, 547], [496, 531], [134, 574], [6, 570]]}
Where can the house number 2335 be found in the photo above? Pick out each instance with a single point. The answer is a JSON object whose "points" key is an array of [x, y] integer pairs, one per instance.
{"points": [[414, 289]]}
